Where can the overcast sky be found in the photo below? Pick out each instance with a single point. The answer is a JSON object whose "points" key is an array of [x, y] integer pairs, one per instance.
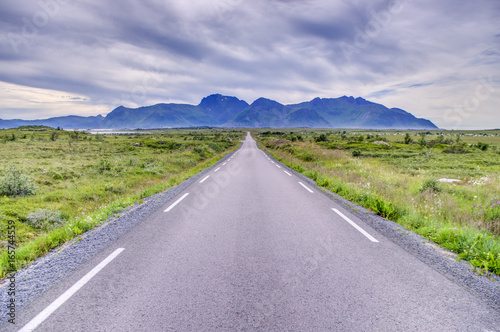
{"points": [[439, 60]]}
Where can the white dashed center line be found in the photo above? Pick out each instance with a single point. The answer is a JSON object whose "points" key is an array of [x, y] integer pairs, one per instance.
{"points": [[303, 185], [176, 202], [361, 230], [206, 177]]}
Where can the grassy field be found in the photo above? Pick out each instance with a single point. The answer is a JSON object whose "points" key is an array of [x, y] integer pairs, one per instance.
{"points": [[402, 176], [55, 185]]}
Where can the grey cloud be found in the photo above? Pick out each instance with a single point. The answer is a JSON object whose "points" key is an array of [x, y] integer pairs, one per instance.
{"points": [[106, 49]]}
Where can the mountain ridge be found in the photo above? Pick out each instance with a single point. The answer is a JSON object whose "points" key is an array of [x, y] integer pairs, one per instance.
{"points": [[224, 111]]}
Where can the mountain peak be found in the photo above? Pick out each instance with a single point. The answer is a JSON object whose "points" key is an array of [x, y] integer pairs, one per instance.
{"points": [[216, 99], [265, 102], [220, 110], [210, 100]]}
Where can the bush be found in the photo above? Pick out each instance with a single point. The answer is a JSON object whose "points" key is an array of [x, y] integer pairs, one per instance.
{"points": [[202, 151], [15, 183], [103, 165], [356, 153], [322, 138], [45, 219], [306, 156], [482, 146], [431, 185]]}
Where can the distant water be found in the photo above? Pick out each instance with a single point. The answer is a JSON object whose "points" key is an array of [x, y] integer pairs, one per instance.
{"points": [[115, 132]]}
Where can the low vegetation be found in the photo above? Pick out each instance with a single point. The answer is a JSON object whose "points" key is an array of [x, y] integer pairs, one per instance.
{"points": [[443, 185], [56, 184]]}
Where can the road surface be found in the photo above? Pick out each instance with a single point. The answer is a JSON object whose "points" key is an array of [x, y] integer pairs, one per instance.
{"points": [[253, 247]]}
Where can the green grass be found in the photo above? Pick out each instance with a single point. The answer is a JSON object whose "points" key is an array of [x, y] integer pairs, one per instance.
{"points": [[83, 179], [399, 181]]}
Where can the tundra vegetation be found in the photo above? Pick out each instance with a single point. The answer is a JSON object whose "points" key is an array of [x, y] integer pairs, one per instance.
{"points": [[56, 184], [443, 185]]}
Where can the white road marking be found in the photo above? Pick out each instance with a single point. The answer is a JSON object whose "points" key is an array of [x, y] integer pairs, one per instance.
{"points": [[206, 177], [361, 230], [303, 185], [176, 202], [272, 161], [287, 173], [224, 164], [278, 166], [33, 324], [217, 169]]}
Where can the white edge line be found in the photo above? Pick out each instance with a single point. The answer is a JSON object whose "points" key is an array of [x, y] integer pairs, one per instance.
{"points": [[176, 202], [303, 185], [353, 224], [287, 173], [224, 164], [206, 177], [278, 166], [42, 316], [218, 169]]}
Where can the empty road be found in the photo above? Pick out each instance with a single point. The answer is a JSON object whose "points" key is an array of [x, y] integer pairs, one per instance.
{"points": [[252, 247]]}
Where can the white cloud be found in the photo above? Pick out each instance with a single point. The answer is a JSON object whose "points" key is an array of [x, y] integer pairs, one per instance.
{"points": [[35, 103]]}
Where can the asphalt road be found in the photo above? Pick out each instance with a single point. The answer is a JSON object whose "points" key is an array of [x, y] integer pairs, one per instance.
{"points": [[252, 247]]}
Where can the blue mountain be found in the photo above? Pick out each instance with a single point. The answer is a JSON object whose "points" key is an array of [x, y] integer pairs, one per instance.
{"points": [[223, 111]]}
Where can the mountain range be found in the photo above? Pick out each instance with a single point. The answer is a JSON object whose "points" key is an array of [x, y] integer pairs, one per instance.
{"points": [[223, 111]]}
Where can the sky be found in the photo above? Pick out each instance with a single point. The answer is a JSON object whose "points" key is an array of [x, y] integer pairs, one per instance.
{"points": [[438, 60]]}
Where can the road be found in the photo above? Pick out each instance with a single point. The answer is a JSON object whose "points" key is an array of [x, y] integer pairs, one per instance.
{"points": [[253, 247]]}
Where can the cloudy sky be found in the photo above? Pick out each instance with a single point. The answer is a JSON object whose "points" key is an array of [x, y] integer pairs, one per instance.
{"points": [[436, 59]]}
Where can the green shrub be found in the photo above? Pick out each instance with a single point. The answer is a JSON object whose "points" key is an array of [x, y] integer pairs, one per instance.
{"points": [[482, 146], [45, 219], [408, 139], [431, 185], [306, 156], [103, 165], [15, 183], [202, 151], [322, 138]]}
